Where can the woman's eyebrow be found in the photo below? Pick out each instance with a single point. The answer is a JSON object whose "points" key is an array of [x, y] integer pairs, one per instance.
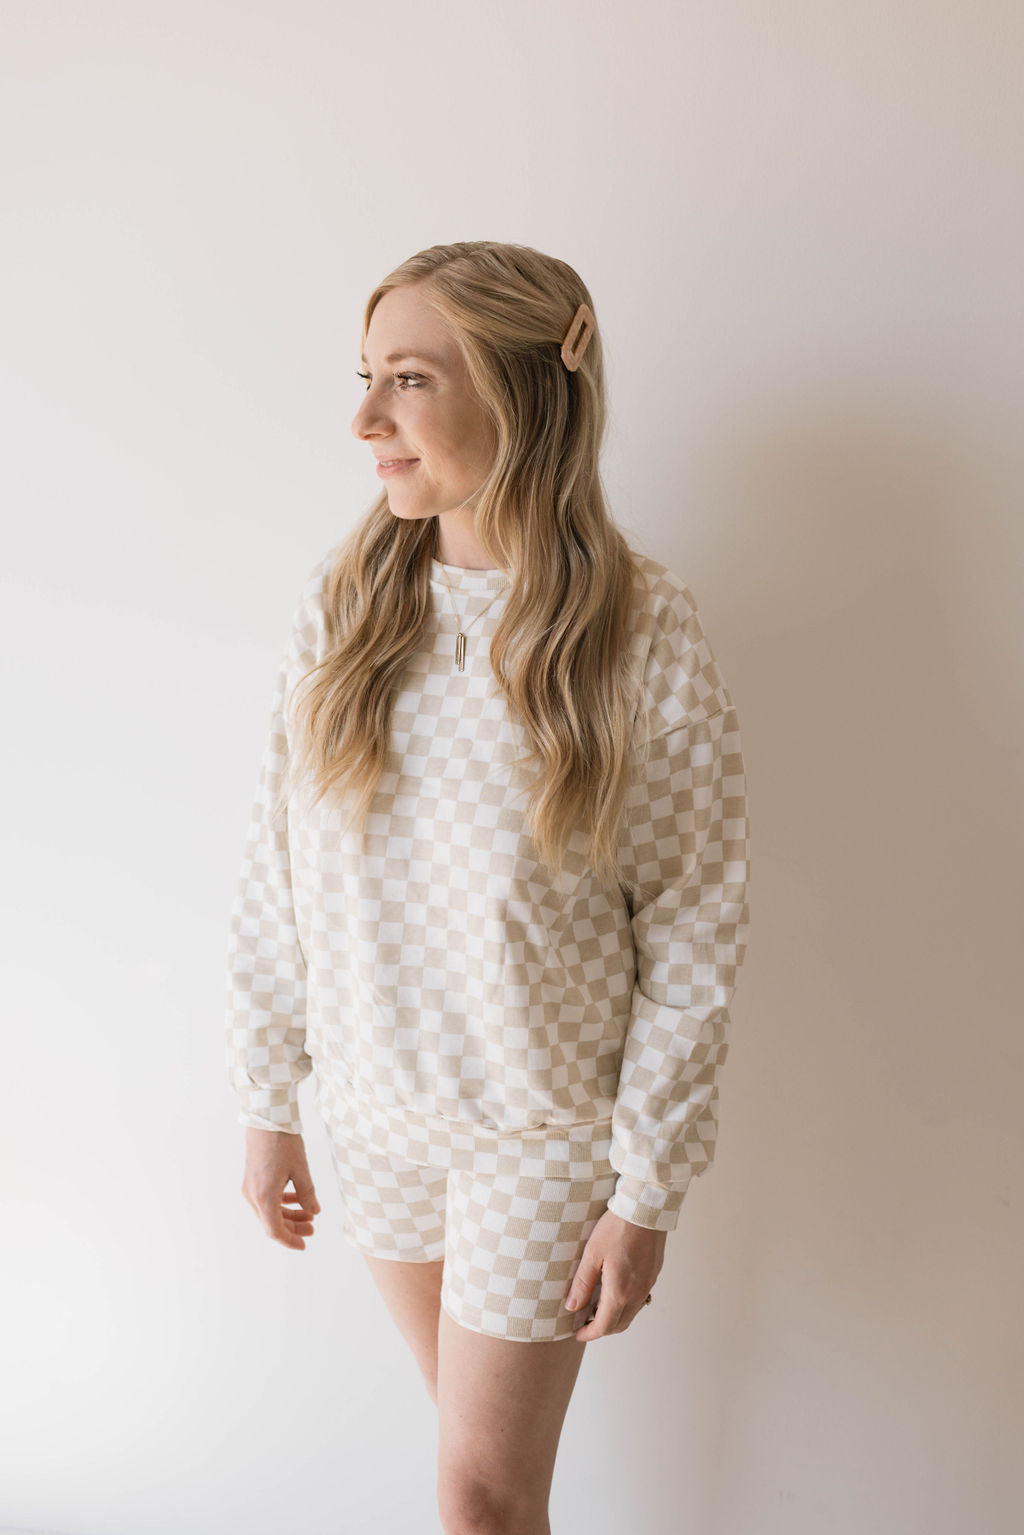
{"points": [[403, 356]]}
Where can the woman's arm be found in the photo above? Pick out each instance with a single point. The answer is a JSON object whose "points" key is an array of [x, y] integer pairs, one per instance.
{"points": [[266, 969], [689, 845], [686, 840]]}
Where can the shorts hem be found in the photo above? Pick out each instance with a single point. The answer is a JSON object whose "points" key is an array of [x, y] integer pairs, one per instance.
{"points": [[391, 1257], [486, 1332]]}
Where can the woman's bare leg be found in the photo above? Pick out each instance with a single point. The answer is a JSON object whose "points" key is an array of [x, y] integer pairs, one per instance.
{"points": [[412, 1293], [501, 1406]]}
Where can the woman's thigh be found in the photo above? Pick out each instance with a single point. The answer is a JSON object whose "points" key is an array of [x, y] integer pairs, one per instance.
{"points": [[488, 1263], [507, 1358], [501, 1407], [412, 1294], [394, 1214]]}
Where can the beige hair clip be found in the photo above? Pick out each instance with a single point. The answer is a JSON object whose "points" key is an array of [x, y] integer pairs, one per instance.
{"points": [[571, 355]]}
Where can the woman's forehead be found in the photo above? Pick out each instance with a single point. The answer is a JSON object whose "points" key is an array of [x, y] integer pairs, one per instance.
{"points": [[408, 326]]}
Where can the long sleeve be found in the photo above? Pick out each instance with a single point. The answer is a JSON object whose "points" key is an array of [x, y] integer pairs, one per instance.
{"points": [[687, 843], [266, 968]]}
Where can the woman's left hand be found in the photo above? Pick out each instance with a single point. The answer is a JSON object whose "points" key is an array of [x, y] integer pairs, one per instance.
{"points": [[624, 1260]]}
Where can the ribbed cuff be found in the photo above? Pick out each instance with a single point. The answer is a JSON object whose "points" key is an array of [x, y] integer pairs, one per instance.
{"points": [[255, 1122], [272, 1108], [647, 1204]]}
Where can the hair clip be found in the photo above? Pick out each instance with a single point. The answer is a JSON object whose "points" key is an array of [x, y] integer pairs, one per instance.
{"points": [[571, 355]]}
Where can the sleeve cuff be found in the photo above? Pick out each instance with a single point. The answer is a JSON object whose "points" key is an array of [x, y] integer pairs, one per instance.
{"points": [[272, 1108], [647, 1204], [255, 1122]]}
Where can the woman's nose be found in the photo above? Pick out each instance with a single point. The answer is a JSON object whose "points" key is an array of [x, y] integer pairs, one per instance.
{"points": [[361, 422], [370, 419]]}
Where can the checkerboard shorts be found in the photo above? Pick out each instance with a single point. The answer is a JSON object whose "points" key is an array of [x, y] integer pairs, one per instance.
{"points": [[511, 1245]]}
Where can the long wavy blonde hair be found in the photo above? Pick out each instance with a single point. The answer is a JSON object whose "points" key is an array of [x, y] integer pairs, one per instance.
{"points": [[560, 650]]}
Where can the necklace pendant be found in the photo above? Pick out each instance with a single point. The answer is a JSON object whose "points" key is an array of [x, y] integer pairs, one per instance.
{"points": [[460, 651]]}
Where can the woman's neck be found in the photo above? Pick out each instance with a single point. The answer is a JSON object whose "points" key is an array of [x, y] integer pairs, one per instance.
{"points": [[457, 543]]}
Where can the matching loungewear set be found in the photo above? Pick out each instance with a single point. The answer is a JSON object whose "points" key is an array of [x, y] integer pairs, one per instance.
{"points": [[498, 1056]]}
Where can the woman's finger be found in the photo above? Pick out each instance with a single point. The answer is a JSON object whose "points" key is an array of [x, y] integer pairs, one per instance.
{"points": [[609, 1310]]}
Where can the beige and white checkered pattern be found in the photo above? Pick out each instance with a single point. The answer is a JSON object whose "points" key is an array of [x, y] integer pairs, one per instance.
{"points": [[511, 1243], [462, 1009]]}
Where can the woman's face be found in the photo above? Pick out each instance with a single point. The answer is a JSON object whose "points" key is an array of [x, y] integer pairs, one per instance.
{"points": [[420, 406]]}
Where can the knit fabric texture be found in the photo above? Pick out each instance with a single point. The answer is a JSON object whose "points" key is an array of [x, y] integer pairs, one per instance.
{"points": [[458, 1005]]}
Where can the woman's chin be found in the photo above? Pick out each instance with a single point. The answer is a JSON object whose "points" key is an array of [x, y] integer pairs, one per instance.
{"points": [[408, 512]]}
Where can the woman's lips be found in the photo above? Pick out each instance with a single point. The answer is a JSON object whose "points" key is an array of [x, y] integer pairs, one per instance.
{"points": [[398, 466]]}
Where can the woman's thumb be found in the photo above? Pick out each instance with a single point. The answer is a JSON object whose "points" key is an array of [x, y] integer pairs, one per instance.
{"points": [[304, 1190], [583, 1283]]}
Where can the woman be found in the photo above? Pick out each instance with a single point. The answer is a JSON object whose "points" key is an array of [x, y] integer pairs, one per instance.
{"points": [[512, 987]]}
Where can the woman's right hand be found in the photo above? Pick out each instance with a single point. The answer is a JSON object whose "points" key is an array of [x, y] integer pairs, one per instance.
{"points": [[273, 1159]]}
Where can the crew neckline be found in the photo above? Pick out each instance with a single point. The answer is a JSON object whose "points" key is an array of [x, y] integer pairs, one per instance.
{"points": [[461, 577]]}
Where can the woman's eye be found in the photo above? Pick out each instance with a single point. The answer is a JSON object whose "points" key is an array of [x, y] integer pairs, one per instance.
{"points": [[406, 376]]}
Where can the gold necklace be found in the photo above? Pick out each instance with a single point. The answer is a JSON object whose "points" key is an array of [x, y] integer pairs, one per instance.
{"points": [[460, 639]]}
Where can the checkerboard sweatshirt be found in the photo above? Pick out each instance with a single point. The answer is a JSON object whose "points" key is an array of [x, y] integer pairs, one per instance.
{"points": [[454, 1003]]}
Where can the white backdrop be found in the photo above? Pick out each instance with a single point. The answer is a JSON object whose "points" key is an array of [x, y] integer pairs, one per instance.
{"points": [[803, 231]]}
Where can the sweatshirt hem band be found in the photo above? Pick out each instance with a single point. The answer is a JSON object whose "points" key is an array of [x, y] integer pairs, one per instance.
{"points": [[575, 1151]]}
